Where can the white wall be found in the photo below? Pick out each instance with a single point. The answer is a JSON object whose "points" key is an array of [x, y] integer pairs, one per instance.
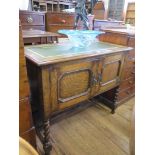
{"points": [[23, 4]]}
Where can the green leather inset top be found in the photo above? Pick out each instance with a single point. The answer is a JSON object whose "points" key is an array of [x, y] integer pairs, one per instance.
{"points": [[50, 53]]}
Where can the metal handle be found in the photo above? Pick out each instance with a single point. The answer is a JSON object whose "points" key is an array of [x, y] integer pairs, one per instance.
{"points": [[63, 21], [29, 19]]}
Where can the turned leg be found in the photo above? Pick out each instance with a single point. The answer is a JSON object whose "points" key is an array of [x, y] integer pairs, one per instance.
{"points": [[47, 146], [114, 107], [115, 100]]}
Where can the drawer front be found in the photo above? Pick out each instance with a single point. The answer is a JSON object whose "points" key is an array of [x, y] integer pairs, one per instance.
{"points": [[126, 84], [127, 73], [63, 19], [125, 93], [32, 19]]}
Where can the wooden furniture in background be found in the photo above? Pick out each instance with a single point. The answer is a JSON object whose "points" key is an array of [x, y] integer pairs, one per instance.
{"points": [[60, 20], [99, 10], [130, 13], [39, 37], [52, 5], [32, 20], [39, 5], [56, 21], [103, 24], [26, 128], [126, 89], [115, 9], [59, 5], [64, 77]]}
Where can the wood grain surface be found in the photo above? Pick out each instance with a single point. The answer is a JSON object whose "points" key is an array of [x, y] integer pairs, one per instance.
{"points": [[26, 128], [93, 131]]}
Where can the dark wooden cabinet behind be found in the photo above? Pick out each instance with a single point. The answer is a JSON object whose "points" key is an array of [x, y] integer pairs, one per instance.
{"points": [[56, 21], [32, 20], [126, 89], [59, 20], [26, 128]]}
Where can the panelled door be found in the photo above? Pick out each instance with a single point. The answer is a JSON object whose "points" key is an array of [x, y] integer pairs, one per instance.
{"points": [[76, 81], [110, 71]]}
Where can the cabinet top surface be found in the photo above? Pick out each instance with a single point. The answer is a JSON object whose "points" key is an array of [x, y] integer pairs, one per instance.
{"points": [[126, 31], [54, 53], [38, 33]]}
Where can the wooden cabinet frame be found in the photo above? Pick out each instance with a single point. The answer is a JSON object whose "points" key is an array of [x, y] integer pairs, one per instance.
{"points": [[51, 78], [58, 84]]}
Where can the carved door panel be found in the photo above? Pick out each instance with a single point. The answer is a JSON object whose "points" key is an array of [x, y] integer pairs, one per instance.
{"points": [[110, 72], [75, 81]]}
